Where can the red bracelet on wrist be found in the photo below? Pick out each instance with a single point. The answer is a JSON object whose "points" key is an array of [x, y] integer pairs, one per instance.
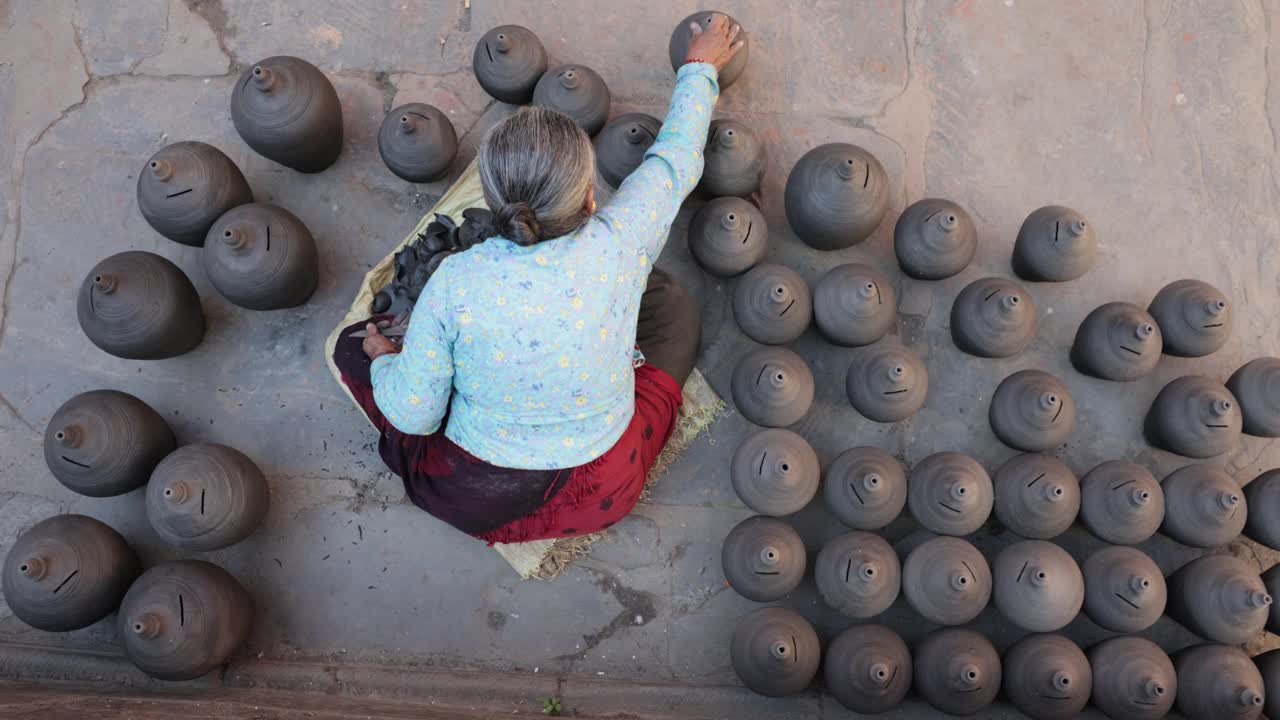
{"points": [[694, 60]]}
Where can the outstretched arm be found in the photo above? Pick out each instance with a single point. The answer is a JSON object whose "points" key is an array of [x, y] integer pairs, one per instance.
{"points": [[412, 387]]}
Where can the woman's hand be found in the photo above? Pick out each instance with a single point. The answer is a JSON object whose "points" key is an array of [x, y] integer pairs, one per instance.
{"points": [[717, 44], [376, 344]]}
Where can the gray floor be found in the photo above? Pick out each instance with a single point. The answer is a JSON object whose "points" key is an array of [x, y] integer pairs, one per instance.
{"points": [[1154, 120]]}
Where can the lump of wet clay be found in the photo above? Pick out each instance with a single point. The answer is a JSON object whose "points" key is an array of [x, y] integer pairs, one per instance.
{"points": [[836, 196], [417, 142], [728, 236], [1256, 386], [775, 472], [105, 442], [1203, 506], [1132, 678], [508, 62], [854, 305], [1048, 666], [1263, 497], [417, 262], [139, 306], [1117, 341], [957, 671], [1121, 502], [1221, 598], [1037, 585], [1194, 317], [1032, 411], [858, 574], [1037, 495], [287, 111], [734, 159], [1218, 682], [946, 580], [934, 239], [772, 304], [949, 493], [1195, 417], [775, 651], [185, 186], [868, 669], [887, 383], [1124, 589], [1054, 244], [763, 559], [772, 387], [261, 257], [993, 318], [206, 497], [622, 143], [678, 47], [577, 91], [866, 488]]}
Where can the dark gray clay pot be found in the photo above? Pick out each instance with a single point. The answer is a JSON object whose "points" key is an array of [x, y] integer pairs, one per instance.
{"points": [[1269, 665], [678, 48], [1132, 679], [763, 559], [1037, 495], [1124, 589], [1047, 677], [993, 318], [105, 442], [887, 383], [855, 305], [772, 387], [508, 62], [775, 472], [957, 671], [417, 142], [1263, 498], [1221, 598], [140, 306], [735, 160], [206, 496], [1256, 385], [1117, 341], [261, 257], [287, 111], [1054, 244], [946, 580], [1037, 585], [1218, 682], [949, 493], [1195, 417], [1032, 411], [775, 651], [1121, 502], [1194, 316], [858, 574], [727, 236], [622, 143], [577, 91], [772, 305], [934, 239], [185, 187], [1203, 506], [1271, 579], [868, 669], [836, 196], [866, 488]]}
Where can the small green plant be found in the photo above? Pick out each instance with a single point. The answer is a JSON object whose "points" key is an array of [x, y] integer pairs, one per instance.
{"points": [[551, 706]]}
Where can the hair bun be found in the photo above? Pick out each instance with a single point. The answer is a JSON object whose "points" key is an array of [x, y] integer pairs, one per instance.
{"points": [[518, 223]]}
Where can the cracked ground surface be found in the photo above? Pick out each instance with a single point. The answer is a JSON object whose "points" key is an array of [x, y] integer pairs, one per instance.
{"points": [[1154, 119]]}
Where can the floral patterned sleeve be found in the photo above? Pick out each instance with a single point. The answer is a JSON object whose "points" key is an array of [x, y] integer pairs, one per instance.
{"points": [[412, 388]]}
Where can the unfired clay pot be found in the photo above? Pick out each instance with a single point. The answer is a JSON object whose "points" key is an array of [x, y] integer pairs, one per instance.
{"points": [[775, 651], [775, 472], [287, 110], [868, 669], [1132, 679], [735, 160], [105, 442], [417, 142], [1037, 585], [772, 305], [934, 239], [622, 143], [1218, 682], [1271, 579], [887, 383], [1047, 677], [1262, 523], [508, 62], [1032, 411], [1204, 507], [1269, 665], [1194, 317], [678, 48], [772, 387], [763, 559], [858, 574], [946, 580], [1221, 598], [949, 493], [1037, 495], [139, 306], [1054, 244], [262, 257], [1117, 341], [577, 91], [205, 497], [854, 305], [1121, 502], [727, 236], [1124, 590], [865, 487], [993, 318], [182, 619], [185, 187], [1195, 417], [67, 572], [1256, 385], [836, 196], [957, 671]]}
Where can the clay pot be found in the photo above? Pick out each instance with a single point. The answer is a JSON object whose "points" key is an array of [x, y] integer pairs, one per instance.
{"points": [[287, 111], [1218, 682], [1117, 341], [772, 387], [775, 472], [1121, 502], [1132, 679], [1271, 579], [1124, 589], [262, 257], [205, 497], [105, 442], [957, 671], [621, 145], [728, 236], [1221, 598], [139, 306], [772, 305], [1032, 411], [735, 160], [993, 318], [67, 572], [1195, 417], [1194, 317], [887, 383], [678, 48], [508, 62], [1043, 668], [946, 580], [183, 619], [763, 559], [775, 652], [934, 239], [1037, 495], [1054, 244], [1269, 665], [577, 91], [1256, 386], [836, 196], [950, 493], [866, 488], [868, 669], [855, 305], [1037, 585], [1204, 507], [858, 574], [185, 186], [417, 142], [1263, 499]]}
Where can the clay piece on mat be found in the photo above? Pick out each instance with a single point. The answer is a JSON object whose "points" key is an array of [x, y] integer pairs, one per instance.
{"points": [[949, 493], [775, 651], [678, 48], [934, 239], [418, 261], [772, 304], [993, 318], [1271, 579], [836, 196], [105, 442], [1269, 665], [868, 669], [858, 574], [139, 306], [865, 488], [854, 305], [183, 619], [1194, 316], [1133, 679], [622, 143], [946, 580], [1037, 585], [1221, 598], [1117, 341], [185, 187], [1054, 244], [261, 257], [1203, 506], [1256, 385], [417, 142], [287, 111], [1121, 502], [1218, 682], [1032, 411], [1263, 498], [887, 383], [1124, 590], [1037, 495], [728, 236], [775, 472], [957, 671], [763, 559], [772, 387], [206, 496], [735, 160], [67, 572], [577, 91], [508, 62], [1039, 668]]}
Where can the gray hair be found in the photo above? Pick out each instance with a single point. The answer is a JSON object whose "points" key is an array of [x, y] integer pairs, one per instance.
{"points": [[536, 168]]}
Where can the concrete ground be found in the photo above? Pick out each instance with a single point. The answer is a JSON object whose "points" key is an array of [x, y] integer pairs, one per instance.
{"points": [[1154, 119]]}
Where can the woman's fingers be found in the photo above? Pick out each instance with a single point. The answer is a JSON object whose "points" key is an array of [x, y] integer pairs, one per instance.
{"points": [[695, 28], [733, 32], [371, 330]]}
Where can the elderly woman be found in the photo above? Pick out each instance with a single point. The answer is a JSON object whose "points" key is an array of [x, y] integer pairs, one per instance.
{"points": [[553, 354]]}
